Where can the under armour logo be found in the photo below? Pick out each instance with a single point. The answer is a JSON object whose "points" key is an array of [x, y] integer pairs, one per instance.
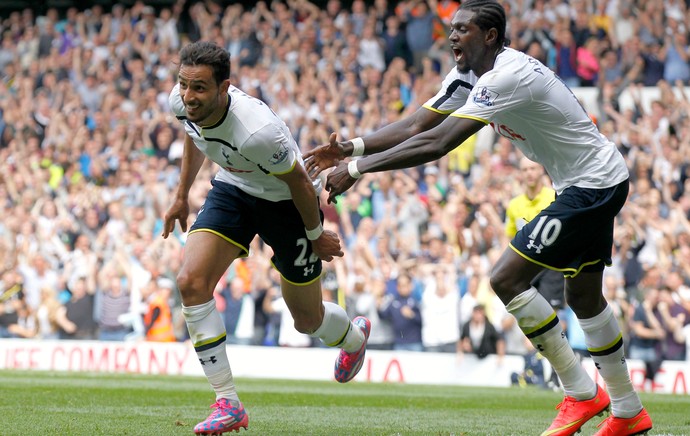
{"points": [[211, 359], [536, 247], [308, 270], [597, 365], [540, 347]]}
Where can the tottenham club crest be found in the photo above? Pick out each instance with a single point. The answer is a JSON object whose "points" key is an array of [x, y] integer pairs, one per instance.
{"points": [[485, 97]]}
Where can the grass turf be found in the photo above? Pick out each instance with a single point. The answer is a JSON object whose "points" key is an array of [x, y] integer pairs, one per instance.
{"points": [[52, 403]]}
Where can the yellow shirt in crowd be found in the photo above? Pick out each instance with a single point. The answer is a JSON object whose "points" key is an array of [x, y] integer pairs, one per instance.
{"points": [[522, 209]]}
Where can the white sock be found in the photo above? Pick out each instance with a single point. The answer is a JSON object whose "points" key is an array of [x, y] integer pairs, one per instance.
{"points": [[336, 329], [605, 344], [539, 322], [207, 332]]}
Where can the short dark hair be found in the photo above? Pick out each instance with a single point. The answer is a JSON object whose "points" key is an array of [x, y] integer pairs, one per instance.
{"points": [[488, 14], [207, 53]]}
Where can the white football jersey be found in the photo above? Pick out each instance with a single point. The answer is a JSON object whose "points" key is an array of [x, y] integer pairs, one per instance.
{"points": [[250, 143], [526, 102], [454, 91]]}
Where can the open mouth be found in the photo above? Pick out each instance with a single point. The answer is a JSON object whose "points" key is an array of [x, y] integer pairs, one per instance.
{"points": [[457, 54]]}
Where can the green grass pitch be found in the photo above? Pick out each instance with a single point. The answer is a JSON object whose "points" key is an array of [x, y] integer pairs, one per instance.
{"points": [[50, 403]]}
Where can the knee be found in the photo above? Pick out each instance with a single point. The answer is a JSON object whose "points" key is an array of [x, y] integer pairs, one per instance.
{"points": [[194, 290], [504, 284], [499, 281], [507, 283]]}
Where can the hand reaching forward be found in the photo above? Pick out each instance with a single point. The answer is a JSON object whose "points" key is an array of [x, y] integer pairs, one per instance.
{"points": [[323, 157], [327, 246], [338, 181]]}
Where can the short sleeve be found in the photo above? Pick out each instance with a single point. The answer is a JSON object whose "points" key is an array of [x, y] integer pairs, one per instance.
{"points": [[270, 148], [496, 91], [453, 93]]}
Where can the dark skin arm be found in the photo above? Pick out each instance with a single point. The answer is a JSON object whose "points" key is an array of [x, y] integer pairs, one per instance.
{"points": [[330, 155], [422, 148]]}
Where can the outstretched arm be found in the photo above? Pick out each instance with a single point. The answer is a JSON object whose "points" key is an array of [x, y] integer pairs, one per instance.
{"points": [[329, 155], [421, 148], [395, 133]]}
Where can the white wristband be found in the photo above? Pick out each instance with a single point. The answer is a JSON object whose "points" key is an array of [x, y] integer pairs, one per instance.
{"points": [[357, 146], [314, 234], [352, 169]]}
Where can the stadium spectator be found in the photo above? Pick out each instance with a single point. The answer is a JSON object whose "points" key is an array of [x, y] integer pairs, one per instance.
{"points": [[82, 263], [371, 49], [355, 284], [587, 61], [381, 10], [76, 317], [672, 317], [440, 309], [675, 55], [402, 310], [158, 323], [618, 300], [46, 315], [623, 25], [367, 304], [113, 299], [395, 41], [12, 299], [653, 70], [480, 337], [646, 333], [25, 325], [419, 17], [36, 276], [611, 69], [680, 288], [239, 312], [445, 9], [287, 334], [516, 343], [533, 372], [358, 17], [474, 293]]}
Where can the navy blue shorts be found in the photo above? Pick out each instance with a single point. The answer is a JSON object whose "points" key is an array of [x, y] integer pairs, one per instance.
{"points": [[238, 217], [575, 232]]}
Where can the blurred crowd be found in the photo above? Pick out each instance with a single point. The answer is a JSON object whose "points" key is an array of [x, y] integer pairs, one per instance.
{"points": [[89, 156]]}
